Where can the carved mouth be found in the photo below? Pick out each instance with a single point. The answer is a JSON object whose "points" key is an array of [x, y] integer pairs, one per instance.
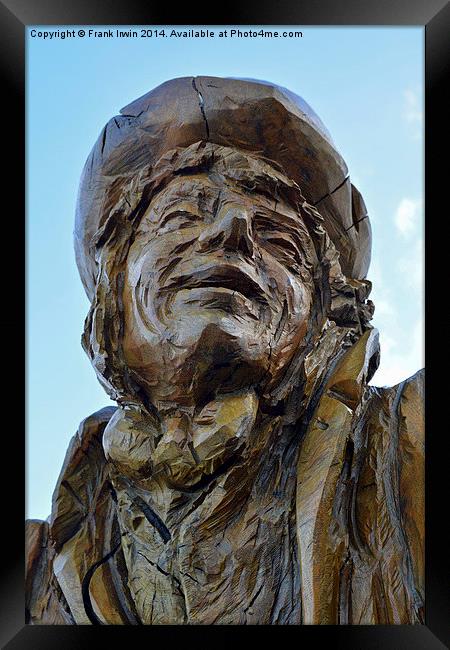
{"points": [[223, 276]]}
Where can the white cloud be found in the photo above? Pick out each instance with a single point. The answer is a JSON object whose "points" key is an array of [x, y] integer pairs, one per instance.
{"points": [[401, 343], [385, 311], [395, 366], [406, 216], [384, 307], [411, 266], [412, 112], [387, 343], [375, 273]]}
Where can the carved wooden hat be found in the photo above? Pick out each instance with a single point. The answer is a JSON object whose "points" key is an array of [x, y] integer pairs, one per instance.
{"points": [[255, 116]]}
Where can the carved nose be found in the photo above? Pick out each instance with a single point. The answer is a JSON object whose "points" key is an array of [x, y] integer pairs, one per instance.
{"points": [[231, 230]]}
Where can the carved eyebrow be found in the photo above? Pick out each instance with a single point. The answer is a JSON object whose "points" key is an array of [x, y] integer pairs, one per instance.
{"points": [[265, 185], [293, 221], [168, 216], [295, 229], [170, 196], [272, 192], [170, 202]]}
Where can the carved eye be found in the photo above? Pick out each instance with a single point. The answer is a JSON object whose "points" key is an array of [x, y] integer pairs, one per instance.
{"points": [[178, 220], [282, 246], [285, 244]]}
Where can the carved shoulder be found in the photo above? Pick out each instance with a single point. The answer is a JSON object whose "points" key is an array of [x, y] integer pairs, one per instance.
{"points": [[389, 501], [409, 418], [360, 499], [80, 492], [81, 478]]}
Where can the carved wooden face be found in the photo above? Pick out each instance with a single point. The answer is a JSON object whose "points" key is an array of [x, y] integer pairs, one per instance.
{"points": [[218, 288]]}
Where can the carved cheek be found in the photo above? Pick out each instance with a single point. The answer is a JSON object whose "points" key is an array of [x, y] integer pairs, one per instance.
{"points": [[299, 296], [293, 323], [147, 262], [286, 287]]}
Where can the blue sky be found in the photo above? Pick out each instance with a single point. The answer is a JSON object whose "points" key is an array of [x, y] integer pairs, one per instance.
{"points": [[366, 84]]}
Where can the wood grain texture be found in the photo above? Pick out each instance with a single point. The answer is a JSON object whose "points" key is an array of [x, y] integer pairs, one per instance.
{"points": [[249, 474]]}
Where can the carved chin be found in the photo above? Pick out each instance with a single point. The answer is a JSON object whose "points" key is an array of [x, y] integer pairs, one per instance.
{"points": [[182, 451], [192, 451]]}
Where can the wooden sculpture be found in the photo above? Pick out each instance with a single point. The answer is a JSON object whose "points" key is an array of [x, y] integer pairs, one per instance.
{"points": [[249, 474]]}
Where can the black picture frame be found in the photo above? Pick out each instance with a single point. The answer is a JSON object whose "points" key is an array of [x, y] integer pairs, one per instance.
{"points": [[15, 16]]}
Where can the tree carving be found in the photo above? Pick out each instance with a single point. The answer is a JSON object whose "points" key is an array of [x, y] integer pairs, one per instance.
{"points": [[249, 474]]}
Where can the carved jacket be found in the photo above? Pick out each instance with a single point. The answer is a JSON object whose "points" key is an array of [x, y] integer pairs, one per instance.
{"points": [[348, 547]]}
